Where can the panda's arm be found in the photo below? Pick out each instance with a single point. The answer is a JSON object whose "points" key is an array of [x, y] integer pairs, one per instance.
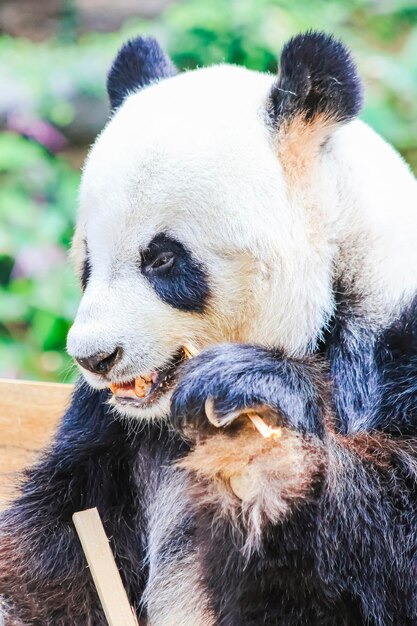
{"points": [[43, 574], [267, 476], [373, 371], [238, 376], [345, 506]]}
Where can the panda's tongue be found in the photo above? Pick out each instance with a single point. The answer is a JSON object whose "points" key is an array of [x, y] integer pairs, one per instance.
{"points": [[138, 388]]}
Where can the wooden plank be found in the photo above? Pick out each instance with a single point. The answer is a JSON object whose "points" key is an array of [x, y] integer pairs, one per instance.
{"points": [[29, 413], [103, 568]]}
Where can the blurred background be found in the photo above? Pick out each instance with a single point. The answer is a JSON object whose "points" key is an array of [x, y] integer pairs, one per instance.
{"points": [[54, 55]]}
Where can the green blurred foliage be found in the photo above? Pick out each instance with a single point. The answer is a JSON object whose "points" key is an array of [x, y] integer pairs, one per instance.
{"points": [[38, 293]]}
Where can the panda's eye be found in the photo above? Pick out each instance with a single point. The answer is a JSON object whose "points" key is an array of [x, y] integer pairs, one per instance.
{"points": [[175, 274], [159, 264]]}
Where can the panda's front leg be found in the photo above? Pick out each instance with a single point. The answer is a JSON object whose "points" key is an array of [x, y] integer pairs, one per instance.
{"points": [[234, 465], [238, 377]]}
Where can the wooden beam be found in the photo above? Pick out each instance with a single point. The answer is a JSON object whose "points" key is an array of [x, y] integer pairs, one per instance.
{"points": [[29, 414], [103, 569]]}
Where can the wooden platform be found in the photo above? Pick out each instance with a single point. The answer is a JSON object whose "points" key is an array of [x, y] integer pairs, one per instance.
{"points": [[29, 413]]}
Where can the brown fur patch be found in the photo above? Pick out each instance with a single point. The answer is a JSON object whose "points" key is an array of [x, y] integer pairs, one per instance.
{"points": [[298, 145], [377, 448], [254, 479]]}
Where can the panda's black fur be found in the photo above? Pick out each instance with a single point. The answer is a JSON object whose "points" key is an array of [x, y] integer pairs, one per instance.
{"points": [[317, 77], [139, 63], [346, 553]]}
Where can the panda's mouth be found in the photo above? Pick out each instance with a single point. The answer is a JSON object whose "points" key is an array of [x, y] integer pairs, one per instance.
{"points": [[146, 390]]}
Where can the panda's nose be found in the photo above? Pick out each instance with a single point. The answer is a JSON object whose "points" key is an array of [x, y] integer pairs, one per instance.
{"points": [[102, 362]]}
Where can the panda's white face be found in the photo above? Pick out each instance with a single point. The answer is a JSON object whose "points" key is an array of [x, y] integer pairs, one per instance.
{"points": [[188, 233], [222, 205]]}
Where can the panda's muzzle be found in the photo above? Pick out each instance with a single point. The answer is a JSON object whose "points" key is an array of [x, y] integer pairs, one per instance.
{"points": [[147, 389]]}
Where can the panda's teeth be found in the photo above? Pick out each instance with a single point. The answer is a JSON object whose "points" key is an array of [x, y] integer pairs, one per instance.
{"points": [[147, 389]]}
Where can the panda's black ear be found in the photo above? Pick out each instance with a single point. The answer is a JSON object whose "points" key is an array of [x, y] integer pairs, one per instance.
{"points": [[141, 61], [317, 89]]}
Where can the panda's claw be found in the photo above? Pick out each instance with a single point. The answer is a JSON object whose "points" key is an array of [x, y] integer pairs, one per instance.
{"points": [[211, 413], [217, 419]]}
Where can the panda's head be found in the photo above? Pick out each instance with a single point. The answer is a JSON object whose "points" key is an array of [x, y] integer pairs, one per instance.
{"points": [[201, 212]]}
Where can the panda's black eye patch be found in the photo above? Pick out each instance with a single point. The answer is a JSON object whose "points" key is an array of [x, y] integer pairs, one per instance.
{"points": [[177, 277]]}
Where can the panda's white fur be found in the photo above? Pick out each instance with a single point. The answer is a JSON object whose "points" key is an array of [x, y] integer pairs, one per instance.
{"points": [[193, 156]]}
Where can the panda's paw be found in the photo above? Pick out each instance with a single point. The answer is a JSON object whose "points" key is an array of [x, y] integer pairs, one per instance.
{"points": [[215, 387], [223, 382]]}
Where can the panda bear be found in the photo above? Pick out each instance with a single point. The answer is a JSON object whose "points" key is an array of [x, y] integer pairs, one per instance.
{"points": [[253, 217]]}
